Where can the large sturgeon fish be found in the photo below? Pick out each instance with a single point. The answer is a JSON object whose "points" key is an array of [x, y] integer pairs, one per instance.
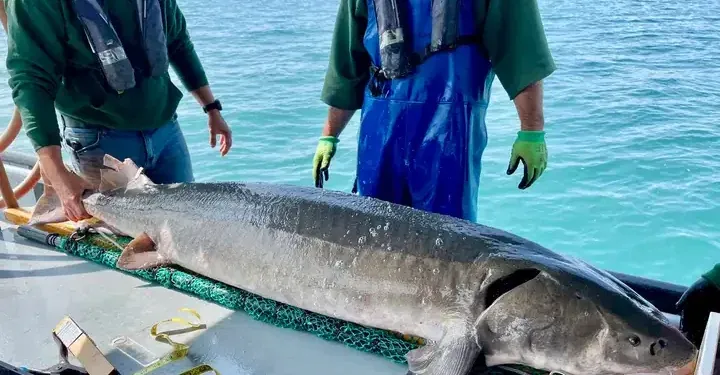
{"points": [[480, 296]]}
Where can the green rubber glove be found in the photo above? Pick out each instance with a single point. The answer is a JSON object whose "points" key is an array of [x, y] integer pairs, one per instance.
{"points": [[529, 147], [323, 154]]}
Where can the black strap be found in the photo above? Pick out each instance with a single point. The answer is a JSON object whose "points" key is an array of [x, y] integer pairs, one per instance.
{"points": [[417, 59], [463, 40]]}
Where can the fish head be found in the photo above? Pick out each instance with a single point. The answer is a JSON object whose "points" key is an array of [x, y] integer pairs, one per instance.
{"points": [[637, 343], [578, 322]]}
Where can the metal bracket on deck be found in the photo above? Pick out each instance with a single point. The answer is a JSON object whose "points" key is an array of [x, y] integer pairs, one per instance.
{"points": [[709, 347]]}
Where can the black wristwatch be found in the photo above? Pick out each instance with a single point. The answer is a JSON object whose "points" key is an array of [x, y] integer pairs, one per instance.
{"points": [[214, 105]]}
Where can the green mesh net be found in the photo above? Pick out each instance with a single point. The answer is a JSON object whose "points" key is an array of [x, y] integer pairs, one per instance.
{"points": [[391, 345]]}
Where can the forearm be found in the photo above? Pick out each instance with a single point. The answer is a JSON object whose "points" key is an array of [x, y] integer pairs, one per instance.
{"points": [[51, 163], [529, 105], [337, 120], [3, 16], [203, 95]]}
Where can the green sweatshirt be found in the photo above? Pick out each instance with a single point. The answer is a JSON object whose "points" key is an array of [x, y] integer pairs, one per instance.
{"points": [[713, 275], [513, 35], [52, 66]]}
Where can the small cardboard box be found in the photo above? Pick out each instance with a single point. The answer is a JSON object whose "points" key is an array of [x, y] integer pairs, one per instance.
{"points": [[83, 348]]}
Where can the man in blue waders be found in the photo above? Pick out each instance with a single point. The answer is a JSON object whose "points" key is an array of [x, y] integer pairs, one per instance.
{"points": [[103, 64], [421, 71]]}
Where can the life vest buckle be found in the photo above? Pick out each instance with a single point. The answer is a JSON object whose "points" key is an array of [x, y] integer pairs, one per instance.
{"points": [[377, 80]]}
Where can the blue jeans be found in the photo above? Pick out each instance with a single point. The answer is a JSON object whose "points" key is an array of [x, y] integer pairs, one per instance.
{"points": [[162, 152]]}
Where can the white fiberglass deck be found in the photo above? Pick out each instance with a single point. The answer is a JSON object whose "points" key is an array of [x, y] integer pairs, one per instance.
{"points": [[39, 286]]}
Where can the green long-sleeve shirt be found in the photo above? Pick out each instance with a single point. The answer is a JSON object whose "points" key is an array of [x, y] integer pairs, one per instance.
{"points": [[713, 275], [512, 33], [52, 66]]}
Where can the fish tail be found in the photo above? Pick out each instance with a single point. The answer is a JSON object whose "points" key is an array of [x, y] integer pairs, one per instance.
{"points": [[48, 208]]}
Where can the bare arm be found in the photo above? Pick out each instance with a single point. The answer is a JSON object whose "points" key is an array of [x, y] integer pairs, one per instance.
{"points": [[51, 162], [337, 120], [529, 105], [216, 123], [3, 16], [203, 95], [68, 185]]}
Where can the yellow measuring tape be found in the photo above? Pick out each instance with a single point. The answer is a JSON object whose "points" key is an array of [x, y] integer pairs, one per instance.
{"points": [[179, 350], [408, 338]]}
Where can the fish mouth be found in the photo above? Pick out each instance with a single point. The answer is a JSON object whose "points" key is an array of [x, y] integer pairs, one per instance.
{"points": [[688, 369]]}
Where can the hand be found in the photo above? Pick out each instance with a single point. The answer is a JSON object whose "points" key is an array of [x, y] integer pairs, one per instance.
{"points": [[529, 147], [218, 126], [321, 162], [695, 306], [70, 188]]}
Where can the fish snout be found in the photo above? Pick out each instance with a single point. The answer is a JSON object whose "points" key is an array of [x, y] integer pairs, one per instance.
{"points": [[681, 353]]}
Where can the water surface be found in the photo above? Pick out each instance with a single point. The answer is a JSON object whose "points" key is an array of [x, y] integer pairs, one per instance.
{"points": [[634, 174]]}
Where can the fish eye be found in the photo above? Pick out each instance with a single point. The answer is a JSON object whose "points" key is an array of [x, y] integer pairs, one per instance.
{"points": [[634, 340]]}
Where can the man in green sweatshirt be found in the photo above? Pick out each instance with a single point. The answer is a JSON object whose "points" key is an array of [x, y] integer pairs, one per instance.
{"points": [[103, 64], [696, 304]]}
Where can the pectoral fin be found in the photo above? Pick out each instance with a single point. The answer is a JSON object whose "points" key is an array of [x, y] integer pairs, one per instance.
{"points": [[140, 254], [450, 356]]}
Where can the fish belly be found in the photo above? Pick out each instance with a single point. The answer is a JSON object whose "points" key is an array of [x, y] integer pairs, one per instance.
{"points": [[382, 289]]}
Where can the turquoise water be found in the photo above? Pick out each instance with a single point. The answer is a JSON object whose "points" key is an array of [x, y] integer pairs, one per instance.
{"points": [[632, 117]]}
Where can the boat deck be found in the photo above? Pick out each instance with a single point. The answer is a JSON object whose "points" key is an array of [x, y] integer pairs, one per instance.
{"points": [[39, 286]]}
